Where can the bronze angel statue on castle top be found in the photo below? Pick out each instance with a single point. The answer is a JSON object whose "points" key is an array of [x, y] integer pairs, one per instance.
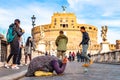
{"points": [[104, 33]]}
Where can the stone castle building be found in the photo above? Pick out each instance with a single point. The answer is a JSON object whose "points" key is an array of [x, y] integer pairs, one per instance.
{"points": [[67, 22]]}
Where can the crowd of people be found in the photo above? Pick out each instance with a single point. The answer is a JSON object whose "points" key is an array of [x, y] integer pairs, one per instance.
{"points": [[45, 63]]}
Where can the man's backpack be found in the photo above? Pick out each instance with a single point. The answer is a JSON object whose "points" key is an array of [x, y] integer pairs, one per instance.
{"points": [[10, 34]]}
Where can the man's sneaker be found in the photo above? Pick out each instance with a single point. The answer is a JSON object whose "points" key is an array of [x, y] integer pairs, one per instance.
{"points": [[6, 66], [91, 61], [85, 65]]}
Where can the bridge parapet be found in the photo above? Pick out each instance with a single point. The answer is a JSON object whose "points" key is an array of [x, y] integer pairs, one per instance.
{"points": [[108, 57]]}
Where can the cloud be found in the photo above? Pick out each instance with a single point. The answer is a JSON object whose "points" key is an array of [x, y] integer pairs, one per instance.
{"points": [[97, 13], [113, 28], [112, 36], [106, 8], [100, 22], [7, 16], [23, 10]]}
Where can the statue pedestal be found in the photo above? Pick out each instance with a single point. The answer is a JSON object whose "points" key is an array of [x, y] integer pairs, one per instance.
{"points": [[104, 47], [41, 46]]}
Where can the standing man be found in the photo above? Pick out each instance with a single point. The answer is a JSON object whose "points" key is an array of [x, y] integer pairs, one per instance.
{"points": [[14, 45], [61, 43], [85, 44]]}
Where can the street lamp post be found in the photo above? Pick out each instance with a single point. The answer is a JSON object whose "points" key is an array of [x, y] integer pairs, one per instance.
{"points": [[33, 20], [33, 24]]}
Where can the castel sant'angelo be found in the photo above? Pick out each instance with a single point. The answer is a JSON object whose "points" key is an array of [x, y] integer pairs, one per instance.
{"points": [[46, 34]]}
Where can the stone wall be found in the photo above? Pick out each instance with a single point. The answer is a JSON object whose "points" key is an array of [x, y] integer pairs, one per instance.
{"points": [[3, 52]]}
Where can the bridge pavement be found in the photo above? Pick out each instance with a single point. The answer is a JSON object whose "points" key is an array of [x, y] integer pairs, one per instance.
{"points": [[74, 71]]}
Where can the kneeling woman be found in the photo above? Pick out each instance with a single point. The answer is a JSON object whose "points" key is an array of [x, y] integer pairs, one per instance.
{"points": [[46, 64]]}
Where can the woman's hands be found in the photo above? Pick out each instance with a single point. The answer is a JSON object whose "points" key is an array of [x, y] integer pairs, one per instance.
{"points": [[65, 60]]}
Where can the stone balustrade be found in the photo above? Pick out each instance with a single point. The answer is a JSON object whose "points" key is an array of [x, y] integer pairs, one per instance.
{"points": [[108, 57]]}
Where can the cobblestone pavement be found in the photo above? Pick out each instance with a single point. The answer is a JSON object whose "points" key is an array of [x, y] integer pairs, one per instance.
{"points": [[74, 71]]}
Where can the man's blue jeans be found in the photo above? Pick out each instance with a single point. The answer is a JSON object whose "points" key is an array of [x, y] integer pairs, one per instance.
{"points": [[84, 51]]}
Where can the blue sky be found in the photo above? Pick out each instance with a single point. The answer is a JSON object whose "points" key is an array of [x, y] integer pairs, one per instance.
{"points": [[93, 12]]}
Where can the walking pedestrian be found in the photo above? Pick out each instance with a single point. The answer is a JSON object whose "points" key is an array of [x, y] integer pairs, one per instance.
{"points": [[46, 53], [78, 56], [28, 49], [14, 44], [73, 56], [85, 44], [61, 43], [70, 56]]}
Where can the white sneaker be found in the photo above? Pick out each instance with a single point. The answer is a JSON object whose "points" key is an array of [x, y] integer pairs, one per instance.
{"points": [[20, 65], [26, 64], [6, 66], [15, 67]]}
